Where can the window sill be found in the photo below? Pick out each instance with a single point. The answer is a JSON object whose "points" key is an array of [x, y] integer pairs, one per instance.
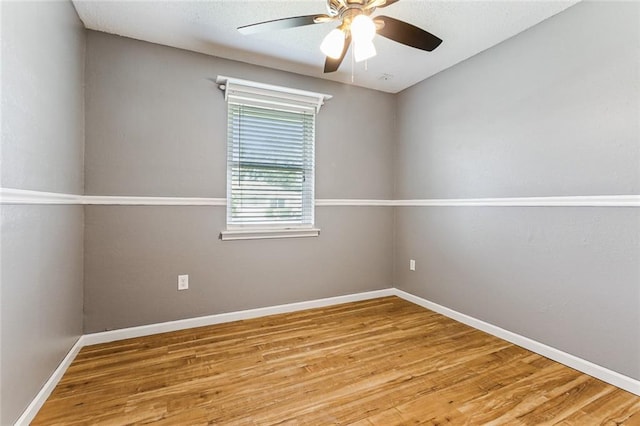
{"points": [[262, 234]]}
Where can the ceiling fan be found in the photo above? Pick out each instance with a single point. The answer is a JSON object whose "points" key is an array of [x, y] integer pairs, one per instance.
{"points": [[356, 27]]}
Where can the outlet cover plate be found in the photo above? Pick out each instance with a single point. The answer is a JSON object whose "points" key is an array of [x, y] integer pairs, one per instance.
{"points": [[183, 282]]}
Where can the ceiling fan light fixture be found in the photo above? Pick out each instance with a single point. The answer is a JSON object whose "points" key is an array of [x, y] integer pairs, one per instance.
{"points": [[356, 30], [363, 28], [363, 50], [333, 43]]}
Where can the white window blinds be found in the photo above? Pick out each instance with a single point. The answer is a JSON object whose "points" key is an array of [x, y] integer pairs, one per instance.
{"points": [[270, 166], [270, 155]]}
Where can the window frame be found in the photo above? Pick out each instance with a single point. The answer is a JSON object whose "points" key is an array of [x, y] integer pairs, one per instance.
{"points": [[269, 97]]}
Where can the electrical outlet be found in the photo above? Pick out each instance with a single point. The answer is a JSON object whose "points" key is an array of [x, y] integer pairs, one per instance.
{"points": [[183, 282], [412, 265]]}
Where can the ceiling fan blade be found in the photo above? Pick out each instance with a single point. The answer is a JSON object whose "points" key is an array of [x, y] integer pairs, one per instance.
{"points": [[389, 3], [278, 24], [332, 65], [321, 19], [408, 34], [380, 3]]}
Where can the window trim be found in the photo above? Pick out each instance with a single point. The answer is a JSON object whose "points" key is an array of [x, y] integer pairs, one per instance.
{"points": [[267, 233], [284, 97]]}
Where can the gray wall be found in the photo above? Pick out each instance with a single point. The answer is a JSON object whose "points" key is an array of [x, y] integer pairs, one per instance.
{"points": [[156, 126], [552, 111], [42, 149]]}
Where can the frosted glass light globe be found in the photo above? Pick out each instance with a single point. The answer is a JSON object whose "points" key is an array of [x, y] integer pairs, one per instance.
{"points": [[333, 44], [363, 50], [363, 28]]}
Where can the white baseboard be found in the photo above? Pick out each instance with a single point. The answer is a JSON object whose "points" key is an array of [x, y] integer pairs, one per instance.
{"points": [[587, 367], [146, 330], [30, 413], [602, 373]]}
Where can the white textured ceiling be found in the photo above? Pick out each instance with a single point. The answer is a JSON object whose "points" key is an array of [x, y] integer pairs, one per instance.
{"points": [[466, 28]]}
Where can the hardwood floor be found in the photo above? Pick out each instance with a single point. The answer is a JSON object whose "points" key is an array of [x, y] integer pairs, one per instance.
{"points": [[383, 362]]}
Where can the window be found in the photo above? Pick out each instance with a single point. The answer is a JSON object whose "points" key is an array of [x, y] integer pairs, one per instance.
{"points": [[270, 167], [270, 160]]}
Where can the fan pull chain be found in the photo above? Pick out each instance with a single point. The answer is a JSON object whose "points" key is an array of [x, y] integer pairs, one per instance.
{"points": [[353, 64]]}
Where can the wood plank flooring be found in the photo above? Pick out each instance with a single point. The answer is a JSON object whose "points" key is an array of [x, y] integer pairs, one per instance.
{"points": [[377, 362]]}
